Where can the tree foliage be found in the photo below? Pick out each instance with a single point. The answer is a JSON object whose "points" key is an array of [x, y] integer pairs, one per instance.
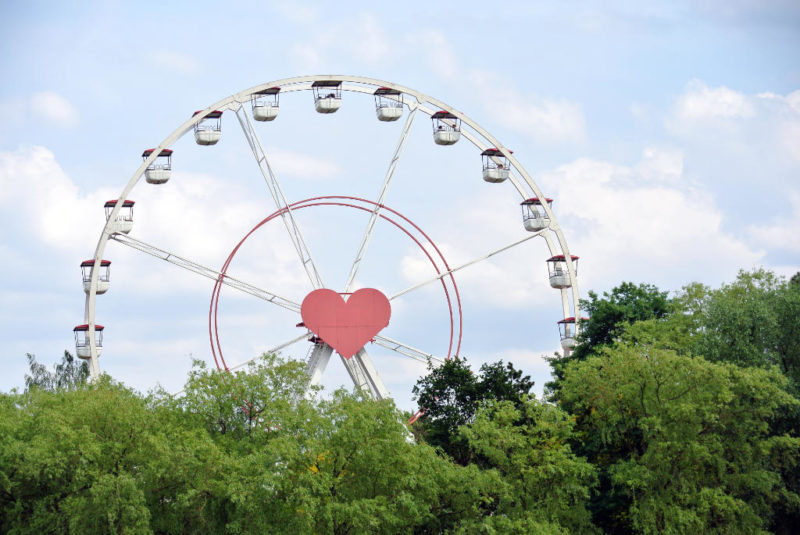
{"points": [[684, 443], [68, 374], [450, 395], [608, 315], [681, 415]]}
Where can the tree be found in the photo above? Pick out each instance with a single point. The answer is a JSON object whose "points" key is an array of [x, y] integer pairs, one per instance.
{"points": [[626, 304], [608, 316], [682, 444], [68, 374], [239, 453], [451, 393], [528, 444], [754, 321]]}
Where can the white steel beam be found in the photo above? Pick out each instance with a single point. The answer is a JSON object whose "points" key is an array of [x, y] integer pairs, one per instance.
{"points": [[462, 266], [398, 151], [206, 272], [406, 350], [280, 199]]}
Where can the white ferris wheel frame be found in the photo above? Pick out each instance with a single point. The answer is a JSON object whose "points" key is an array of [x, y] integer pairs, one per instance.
{"points": [[360, 366]]}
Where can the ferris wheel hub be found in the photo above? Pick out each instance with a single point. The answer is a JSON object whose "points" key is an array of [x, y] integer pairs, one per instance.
{"points": [[348, 325]]}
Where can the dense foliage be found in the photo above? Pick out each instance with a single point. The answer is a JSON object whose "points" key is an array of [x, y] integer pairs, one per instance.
{"points": [[678, 415], [451, 394]]}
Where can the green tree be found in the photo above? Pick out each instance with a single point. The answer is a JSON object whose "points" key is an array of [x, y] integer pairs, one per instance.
{"points": [[754, 321], [451, 393], [682, 444], [68, 374], [624, 305], [69, 461], [608, 317], [545, 482]]}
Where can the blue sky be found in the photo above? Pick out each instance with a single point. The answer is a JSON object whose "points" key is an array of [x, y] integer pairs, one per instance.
{"points": [[667, 132]]}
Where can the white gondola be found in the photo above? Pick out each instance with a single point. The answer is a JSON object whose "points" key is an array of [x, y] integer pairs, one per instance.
{"points": [[557, 268], [495, 165], [208, 130], [327, 95], [568, 332], [82, 339], [534, 216], [388, 104], [124, 221], [446, 128], [160, 169], [103, 279], [265, 104]]}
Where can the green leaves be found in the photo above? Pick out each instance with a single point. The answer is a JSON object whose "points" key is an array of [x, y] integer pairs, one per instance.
{"points": [[684, 441], [451, 394]]}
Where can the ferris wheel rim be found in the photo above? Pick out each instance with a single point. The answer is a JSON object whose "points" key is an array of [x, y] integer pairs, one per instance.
{"points": [[424, 103]]}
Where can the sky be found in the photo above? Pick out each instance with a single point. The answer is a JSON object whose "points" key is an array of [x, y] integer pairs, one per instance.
{"points": [[668, 134]]}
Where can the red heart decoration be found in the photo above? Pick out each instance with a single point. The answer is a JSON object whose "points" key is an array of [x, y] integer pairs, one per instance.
{"points": [[346, 326]]}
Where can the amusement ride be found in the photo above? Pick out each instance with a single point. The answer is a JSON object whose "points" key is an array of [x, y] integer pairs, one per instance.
{"points": [[345, 317]]}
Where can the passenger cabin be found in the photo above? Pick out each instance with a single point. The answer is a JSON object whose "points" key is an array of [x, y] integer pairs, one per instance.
{"points": [[534, 216], [495, 165], [123, 222], [82, 339], [388, 104], [159, 169], [208, 130], [87, 266], [557, 268], [265, 103], [446, 128], [327, 95], [567, 329]]}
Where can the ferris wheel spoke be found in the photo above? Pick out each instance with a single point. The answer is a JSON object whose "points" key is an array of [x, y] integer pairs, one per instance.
{"points": [[467, 264], [206, 272], [398, 152], [280, 199], [406, 350]]}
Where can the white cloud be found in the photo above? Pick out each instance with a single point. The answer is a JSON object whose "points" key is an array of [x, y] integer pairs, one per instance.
{"points": [[176, 62], [793, 99], [629, 223], [782, 234], [193, 215], [701, 103], [740, 123], [54, 108], [543, 119], [38, 191]]}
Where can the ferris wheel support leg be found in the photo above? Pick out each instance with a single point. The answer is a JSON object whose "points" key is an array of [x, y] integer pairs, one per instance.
{"points": [[317, 362], [373, 381]]}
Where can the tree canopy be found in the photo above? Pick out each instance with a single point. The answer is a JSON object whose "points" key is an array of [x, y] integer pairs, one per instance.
{"points": [[451, 393], [681, 415]]}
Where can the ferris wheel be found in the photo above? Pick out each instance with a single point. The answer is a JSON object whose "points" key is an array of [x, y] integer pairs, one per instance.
{"points": [[347, 316]]}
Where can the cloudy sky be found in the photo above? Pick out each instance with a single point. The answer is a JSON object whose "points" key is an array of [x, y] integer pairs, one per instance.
{"points": [[668, 134]]}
